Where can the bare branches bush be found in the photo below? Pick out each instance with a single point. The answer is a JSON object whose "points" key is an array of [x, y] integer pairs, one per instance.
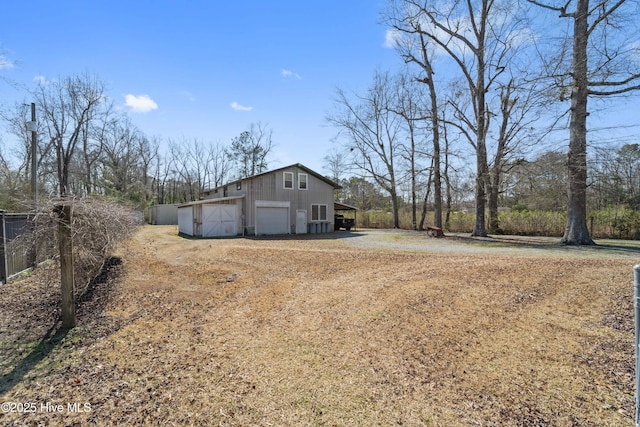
{"points": [[97, 227]]}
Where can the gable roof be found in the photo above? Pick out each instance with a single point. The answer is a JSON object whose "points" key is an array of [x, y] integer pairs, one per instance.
{"points": [[295, 165]]}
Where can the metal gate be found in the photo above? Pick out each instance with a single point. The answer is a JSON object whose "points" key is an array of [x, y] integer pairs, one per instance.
{"points": [[14, 258]]}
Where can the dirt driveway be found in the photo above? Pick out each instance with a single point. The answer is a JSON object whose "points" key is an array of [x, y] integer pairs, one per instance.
{"points": [[364, 328]]}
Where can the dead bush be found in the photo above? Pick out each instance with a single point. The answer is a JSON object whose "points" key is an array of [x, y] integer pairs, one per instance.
{"points": [[97, 226]]}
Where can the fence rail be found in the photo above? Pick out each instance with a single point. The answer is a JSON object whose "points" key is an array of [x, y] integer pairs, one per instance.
{"points": [[14, 258]]}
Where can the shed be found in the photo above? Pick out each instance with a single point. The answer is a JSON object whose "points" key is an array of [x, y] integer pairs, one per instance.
{"points": [[163, 214], [211, 217]]}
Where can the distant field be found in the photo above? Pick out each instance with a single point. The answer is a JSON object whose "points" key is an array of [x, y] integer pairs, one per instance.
{"points": [[365, 328]]}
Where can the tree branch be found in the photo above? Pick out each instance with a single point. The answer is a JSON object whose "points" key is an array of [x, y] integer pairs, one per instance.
{"points": [[604, 15]]}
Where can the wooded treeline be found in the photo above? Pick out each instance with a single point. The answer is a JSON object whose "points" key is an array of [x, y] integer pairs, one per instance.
{"points": [[87, 148], [465, 125], [115, 159], [485, 84]]}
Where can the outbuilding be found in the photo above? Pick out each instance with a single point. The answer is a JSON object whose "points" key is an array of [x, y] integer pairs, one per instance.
{"points": [[163, 214], [288, 200], [211, 218]]}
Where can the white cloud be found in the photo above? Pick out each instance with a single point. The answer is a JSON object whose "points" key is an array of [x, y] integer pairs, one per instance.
{"points": [[289, 73], [239, 107], [41, 80], [5, 62], [140, 103], [391, 39]]}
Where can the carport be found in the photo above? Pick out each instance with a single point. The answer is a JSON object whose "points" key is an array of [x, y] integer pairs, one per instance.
{"points": [[211, 218], [341, 207]]}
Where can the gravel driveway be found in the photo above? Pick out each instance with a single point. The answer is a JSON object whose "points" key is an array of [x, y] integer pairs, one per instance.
{"points": [[463, 243]]}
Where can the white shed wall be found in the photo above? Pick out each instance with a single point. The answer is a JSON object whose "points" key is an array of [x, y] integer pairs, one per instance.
{"points": [[185, 220]]}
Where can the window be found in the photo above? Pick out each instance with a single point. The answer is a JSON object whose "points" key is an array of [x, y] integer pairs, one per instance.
{"points": [[302, 181], [239, 185], [288, 180], [318, 212]]}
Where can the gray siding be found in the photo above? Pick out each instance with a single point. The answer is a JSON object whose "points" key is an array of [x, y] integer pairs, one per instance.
{"points": [[270, 187]]}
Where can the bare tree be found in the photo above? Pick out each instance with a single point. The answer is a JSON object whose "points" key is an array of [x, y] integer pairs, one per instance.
{"points": [[415, 49], [519, 110], [372, 130], [477, 39], [120, 157], [183, 178], [408, 104], [218, 165], [162, 177], [602, 65], [16, 123], [66, 106], [250, 150], [93, 136], [336, 163], [13, 183], [148, 150]]}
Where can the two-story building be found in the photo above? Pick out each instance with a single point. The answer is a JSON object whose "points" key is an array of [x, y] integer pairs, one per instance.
{"points": [[292, 199]]}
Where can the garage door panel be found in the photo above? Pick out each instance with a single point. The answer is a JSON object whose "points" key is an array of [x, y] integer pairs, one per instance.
{"points": [[272, 220]]}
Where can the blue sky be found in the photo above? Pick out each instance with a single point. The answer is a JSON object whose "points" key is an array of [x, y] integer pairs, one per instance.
{"points": [[208, 69], [204, 69]]}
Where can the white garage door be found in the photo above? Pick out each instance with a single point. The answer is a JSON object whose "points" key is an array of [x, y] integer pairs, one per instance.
{"points": [[272, 220], [219, 220]]}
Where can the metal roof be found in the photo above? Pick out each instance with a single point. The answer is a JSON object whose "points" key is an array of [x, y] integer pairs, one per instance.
{"points": [[295, 165], [342, 207], [210, 201]]}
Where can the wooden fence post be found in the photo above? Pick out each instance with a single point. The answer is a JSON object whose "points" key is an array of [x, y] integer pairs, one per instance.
{"points": [[4, 268], [67, 283]]}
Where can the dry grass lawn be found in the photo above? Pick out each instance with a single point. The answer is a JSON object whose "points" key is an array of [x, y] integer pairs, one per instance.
{"points": [[380, 328]]}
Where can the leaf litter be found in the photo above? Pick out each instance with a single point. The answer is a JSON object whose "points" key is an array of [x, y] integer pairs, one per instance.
{"points": [[316, 331]]}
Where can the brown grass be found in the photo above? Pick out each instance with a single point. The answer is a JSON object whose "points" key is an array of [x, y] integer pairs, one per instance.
{"points": [[327, 332]]}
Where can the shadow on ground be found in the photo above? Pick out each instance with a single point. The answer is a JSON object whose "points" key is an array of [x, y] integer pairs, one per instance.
{"points": [[24, 345], [543, 243], [334, 235]]}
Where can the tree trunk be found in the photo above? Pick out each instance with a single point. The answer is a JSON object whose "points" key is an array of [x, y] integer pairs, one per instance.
{"points": [[506, 107], [414, 208], [479, 229], [576, 232], [494, 223], [426, 197], [482, 117], [394, 208], [447, 179], [437, 178]]}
